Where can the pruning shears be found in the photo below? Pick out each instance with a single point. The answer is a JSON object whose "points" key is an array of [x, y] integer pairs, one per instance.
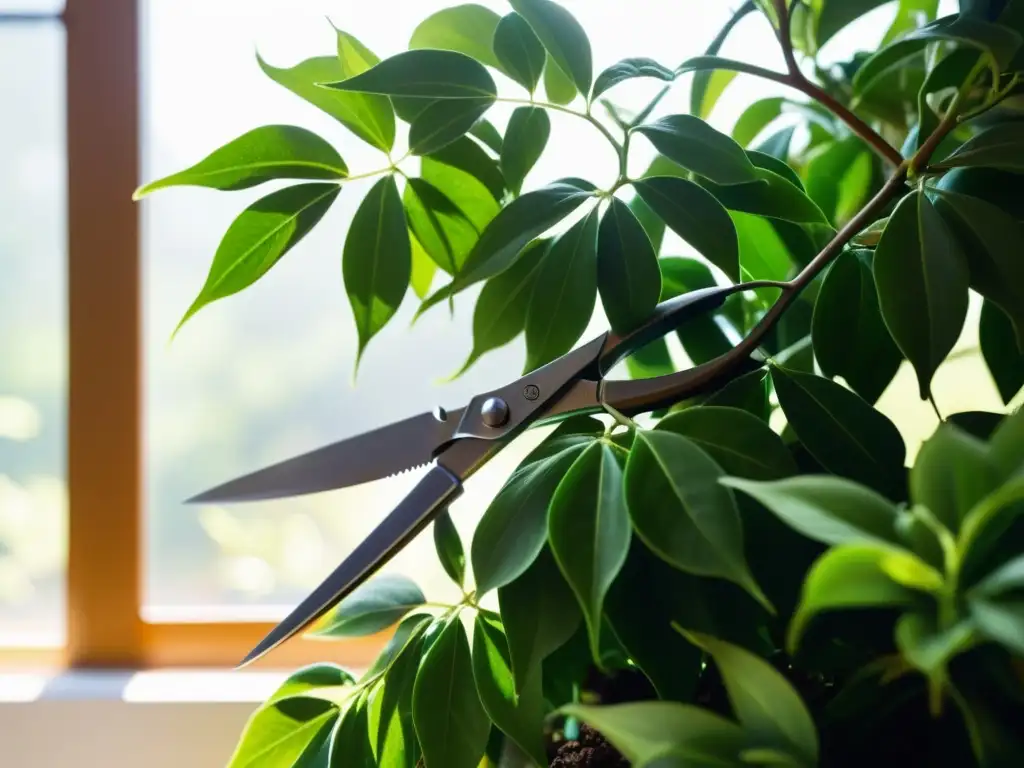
{"points": [[457, 443]]}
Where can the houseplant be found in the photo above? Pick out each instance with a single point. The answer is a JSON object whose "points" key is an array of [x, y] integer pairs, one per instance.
{"points": [[754, 578]]}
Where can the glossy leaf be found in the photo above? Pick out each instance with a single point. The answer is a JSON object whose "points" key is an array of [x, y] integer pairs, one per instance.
{"points": [[1003, 189], [850, 338], [589, 531], [564, 293], [519, 50], [1000, 146], [748, 392], [763, 256], [451, 723], [557, 85], [628, 276], [755, 118], [310, 678], [695, 145], [629, 69], [377, 260], [653, 224], [770, 162], [449, 548], [525, 139], [443, 230], [259, 237], [423, 74], [774, 197], [922, 280], [562, 37], [681, 511], [350, 743], [696, 216], [468, 156], [831, 510], [375, 606], [283, 733], [873, 71], [444, 121], [464, 188], [999, 348], [467, 28]]}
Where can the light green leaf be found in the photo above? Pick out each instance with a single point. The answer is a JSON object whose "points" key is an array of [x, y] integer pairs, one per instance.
{"points": [[999, 41], [449, 548], [310, 678], [708, 84], [438, 224], [287, 732], [830, 16], [557, 85], [469, 194], [467, 155], [519, 50], [444, 121], [845, 434], [999, 348], [831, 510], [981, 535], [826, 169], [627, 268], [350, 743], [423, 268], [258, 238], [410, 629], [589, 531], [929, 648], [525, 139], [564, 293], [909, 14], [450, 721], [1000, 620], [375, 606], [756, 118], [763, 254], [629, 69], [696, 216], [773, 196], [681, 511], [769, 709], [695, 145], [922, 278], [717, 83], [423, 74], [513, 529], [519, 715], [562, 36], [467, 28], [377, 260]]}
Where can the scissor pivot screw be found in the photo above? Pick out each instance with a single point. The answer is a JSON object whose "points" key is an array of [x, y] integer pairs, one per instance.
{"points": [[531, 392], [494, 412]]}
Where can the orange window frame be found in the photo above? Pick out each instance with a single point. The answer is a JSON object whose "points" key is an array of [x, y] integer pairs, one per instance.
{"points": [[105, 627]]}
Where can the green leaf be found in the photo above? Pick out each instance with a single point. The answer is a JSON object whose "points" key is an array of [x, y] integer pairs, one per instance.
{"points": [[763, 256], [517, 224], [871, 73], [540, 614], [564, 293], [262, 154], [627, 268], [777, 144], [258, 238], [449, 548], [929, 648], [755, 118], [765, 703], [391, 710], [748, 392], [518, 715], [629, 69], [588, 527], [826, 169], [377, 260], [423, 74], [708, 84], [444, 121], [310, 678], [1000, 146], [909, 15], [696, 216], [369, 117], [1000, 620], [843, 432], [696, 146], [850, 338], [488, 134], [741, 443], [830, 16], [645, 729], [831, 510], [653, 224], [562, 36], [1004, 189], [467, 155], [423, 268], [375, 606], [470, 195], [520, 52], [999, 348], [513, 529], [1007, 444], [450, 721], [775, 165], [848, 576], [702, 338], [651, 360], [682, 513], [407, 631], [467, 28], [922, 280], [284, 733], [999, 41], [557, 85], [350, 743], [773, 196], [950, 72], [525, 139], [443, 230]]}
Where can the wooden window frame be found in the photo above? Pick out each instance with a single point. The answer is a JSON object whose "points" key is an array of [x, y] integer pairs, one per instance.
{"points": [[105, 627]]}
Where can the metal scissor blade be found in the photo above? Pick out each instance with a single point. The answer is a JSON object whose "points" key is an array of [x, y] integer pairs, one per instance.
{"points": [[432, 494], [359, 459]]}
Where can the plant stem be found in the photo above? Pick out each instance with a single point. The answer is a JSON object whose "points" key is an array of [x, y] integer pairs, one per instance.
{"points": [[559, 108], [935, 406], [948, 123]]}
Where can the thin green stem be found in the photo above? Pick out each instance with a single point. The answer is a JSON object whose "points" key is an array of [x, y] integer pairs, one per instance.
{"points": [[575, 112], [935, 406]]}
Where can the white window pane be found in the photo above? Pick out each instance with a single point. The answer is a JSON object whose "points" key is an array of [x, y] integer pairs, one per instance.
{"points": [[33, 339], [31, 7]]}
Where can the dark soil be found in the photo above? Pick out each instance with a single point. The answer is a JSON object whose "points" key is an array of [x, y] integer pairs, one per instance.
{"points": [[590, 750]]}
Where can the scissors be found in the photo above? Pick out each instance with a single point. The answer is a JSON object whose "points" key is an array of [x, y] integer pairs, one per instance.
{"points": [[457, 443]]}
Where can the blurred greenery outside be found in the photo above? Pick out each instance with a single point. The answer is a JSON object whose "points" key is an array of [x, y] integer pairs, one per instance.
{"points": [[264, 375]]}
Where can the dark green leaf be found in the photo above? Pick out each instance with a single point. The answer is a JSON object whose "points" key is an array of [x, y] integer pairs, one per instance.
{"points": [[999, 347], [775, 165], [284, 733], [696, 216], [564, 293], [519, 715], [449, 548], [1000, 146], [1007, 443], [650, 360], [444, 121], [375, 606], [451, 724], [488, 134], [438, 224], [881, 63], [1001, 620], [557, 85], [922, 280], [1004, 189], [259, 237], [749, 392], [562, 36], [777, 144], [981, 424], [628, 276], [741, 443], [467, 28], [708, 84], [423, 74], [517, 224], [849, 335], [927, 647], [525, 139], [756, 118], [695, 145], [950, 72], [628, 69], [519, 50], [999, 41], [773, 196], [681, 511], [653, 224], [841, 430], [825, 171], [377, 260], [540, 613], [588, 527], [702, 337], [833, 15], [512, 532], [350, 745]]}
